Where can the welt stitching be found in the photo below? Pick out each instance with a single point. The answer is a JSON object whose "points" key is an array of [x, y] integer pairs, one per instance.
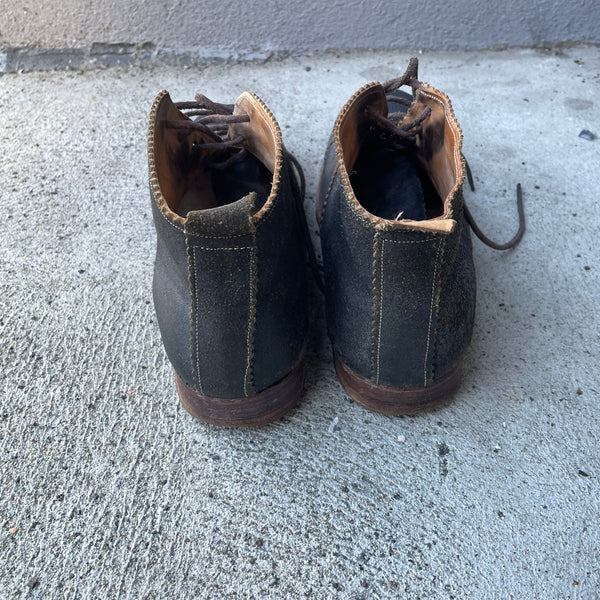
{"points": [[435, 269]]}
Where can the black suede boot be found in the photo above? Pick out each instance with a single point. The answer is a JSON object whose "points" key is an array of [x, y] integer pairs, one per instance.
{"points": [[397, 255], [230, 272]]}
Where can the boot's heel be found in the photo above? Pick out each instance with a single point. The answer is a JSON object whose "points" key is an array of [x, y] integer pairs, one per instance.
{"points": [[393, 400], [266, 406]]}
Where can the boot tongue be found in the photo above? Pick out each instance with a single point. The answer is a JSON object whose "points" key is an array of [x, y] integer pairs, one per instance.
{"points": [[227, 220]]}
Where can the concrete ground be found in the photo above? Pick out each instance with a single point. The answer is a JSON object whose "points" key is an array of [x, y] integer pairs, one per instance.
{"points": [[109, 489]]}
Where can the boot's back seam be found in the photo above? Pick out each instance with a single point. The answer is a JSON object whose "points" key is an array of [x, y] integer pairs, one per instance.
{"points": [[431, 307], [248, 384]]}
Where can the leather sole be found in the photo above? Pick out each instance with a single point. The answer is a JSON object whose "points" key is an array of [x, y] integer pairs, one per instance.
{"points": [[396, 401], [264, 407]]}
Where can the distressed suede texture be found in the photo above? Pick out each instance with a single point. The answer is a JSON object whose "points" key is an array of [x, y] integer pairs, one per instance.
{"points": [[400, 298], [347, 246], [221, 260], [456, 311], [171, 292], [230, 281], [281, 296]]}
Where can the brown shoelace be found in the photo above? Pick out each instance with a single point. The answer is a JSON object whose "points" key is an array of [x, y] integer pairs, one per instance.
{"points": [[214, 118], [477, 231], [406, 133]]}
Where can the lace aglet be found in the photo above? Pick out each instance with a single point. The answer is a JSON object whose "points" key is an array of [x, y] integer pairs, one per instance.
{"points": [[521, 211]]}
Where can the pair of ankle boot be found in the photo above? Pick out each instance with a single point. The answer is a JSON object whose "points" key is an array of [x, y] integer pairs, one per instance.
{"points": [[230, 279]]}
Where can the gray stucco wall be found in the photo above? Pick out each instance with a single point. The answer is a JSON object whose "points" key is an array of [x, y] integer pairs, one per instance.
{"points": [[63, 31]]}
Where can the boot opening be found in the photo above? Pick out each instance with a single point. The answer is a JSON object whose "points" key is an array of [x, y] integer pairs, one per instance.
{"points": [[398, 178], [217, 187], [194, 176], [391, 183]]}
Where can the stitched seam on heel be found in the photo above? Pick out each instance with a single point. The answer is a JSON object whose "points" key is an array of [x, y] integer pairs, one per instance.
{"points": [[377, 310], [433, 306], [194, 313], [248, 378]]}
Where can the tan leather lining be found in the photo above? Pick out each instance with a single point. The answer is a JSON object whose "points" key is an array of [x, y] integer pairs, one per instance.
{"points": [[440, 143], [436, 224], [173, 152], [432, 144], [353, 122], [263, 139], [258, 132], [178, 177], [348, 135]]}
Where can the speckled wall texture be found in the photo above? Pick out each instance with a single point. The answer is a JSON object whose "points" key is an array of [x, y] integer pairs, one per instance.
{"points": [[231, 29]]}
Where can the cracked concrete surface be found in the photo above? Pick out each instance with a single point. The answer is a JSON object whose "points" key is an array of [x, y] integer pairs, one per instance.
{"points": [[109, 489]]}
